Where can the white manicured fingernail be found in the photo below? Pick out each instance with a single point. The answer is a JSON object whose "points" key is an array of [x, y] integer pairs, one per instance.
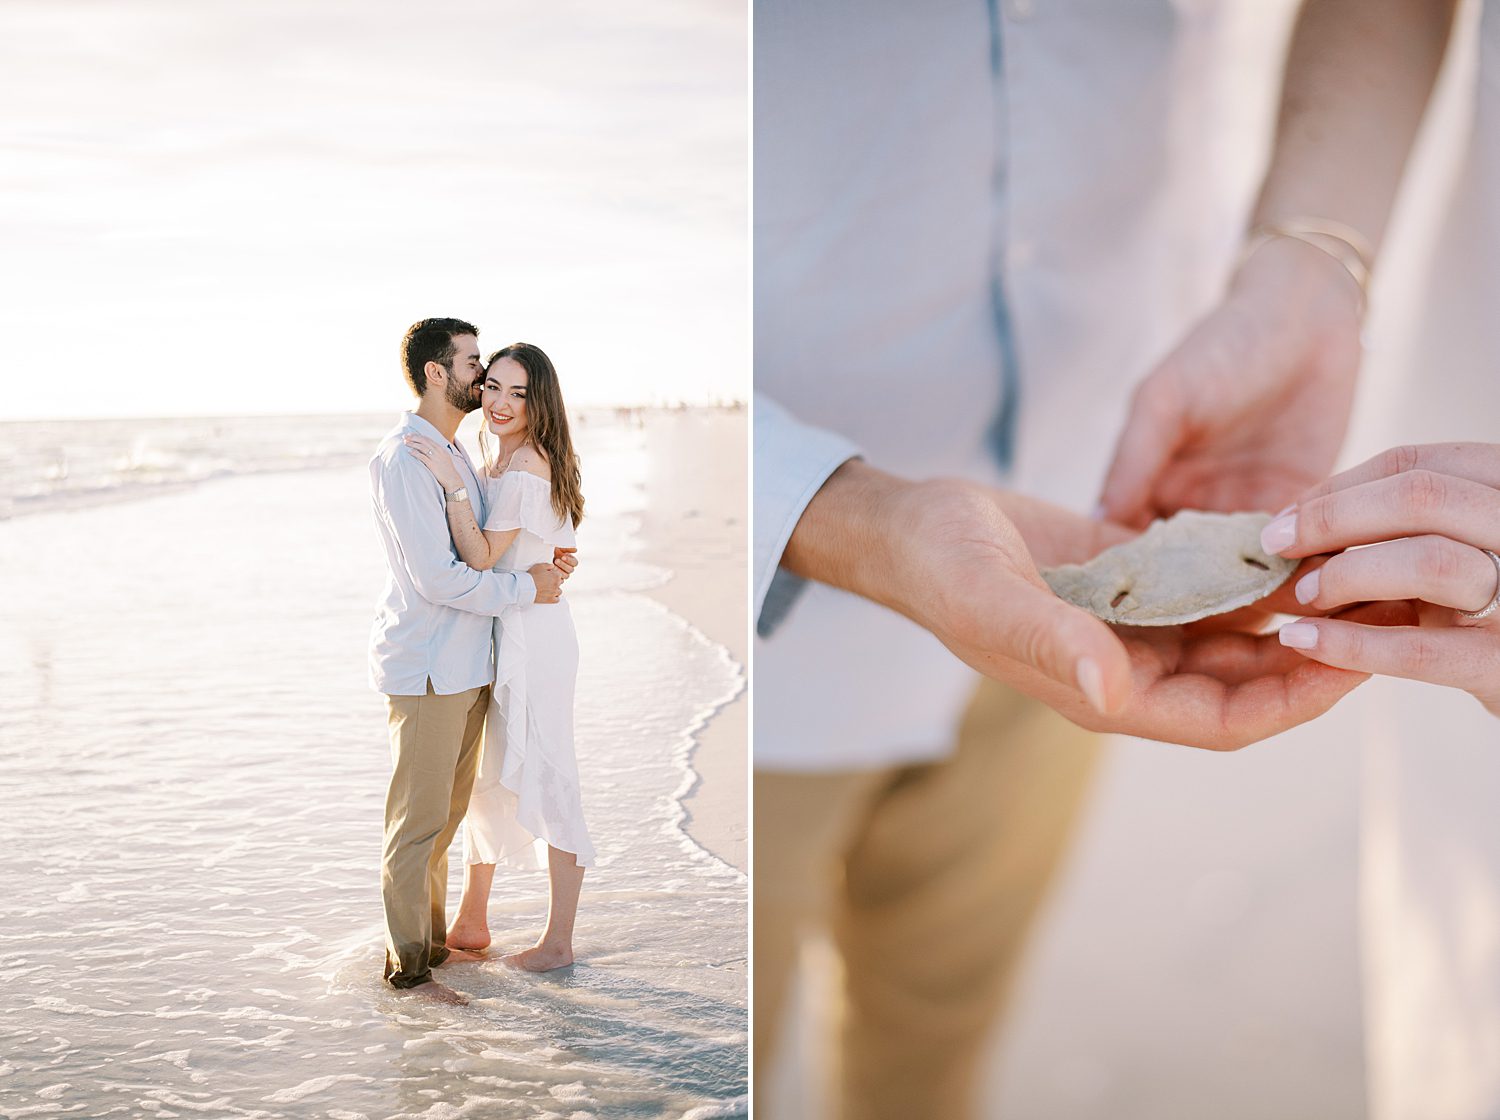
{"points": [[1299, 635], [1284, 512], [1091, 682], [1307, 588], [1279, 534]]}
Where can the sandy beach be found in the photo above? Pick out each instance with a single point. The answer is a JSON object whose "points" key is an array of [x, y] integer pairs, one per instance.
{"points": [[695, 523]]}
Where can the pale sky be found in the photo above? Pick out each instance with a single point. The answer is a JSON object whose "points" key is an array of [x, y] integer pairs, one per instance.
{"points": [[221, 207]]}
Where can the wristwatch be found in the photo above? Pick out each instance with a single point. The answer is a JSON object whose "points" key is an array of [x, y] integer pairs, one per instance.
{"points": [[459, 495]]}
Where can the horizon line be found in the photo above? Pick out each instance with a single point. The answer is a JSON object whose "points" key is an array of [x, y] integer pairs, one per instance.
{"points": [[255, 414]]}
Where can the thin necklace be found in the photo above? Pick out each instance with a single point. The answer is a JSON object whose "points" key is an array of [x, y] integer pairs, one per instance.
{"points": [[503, 467]]}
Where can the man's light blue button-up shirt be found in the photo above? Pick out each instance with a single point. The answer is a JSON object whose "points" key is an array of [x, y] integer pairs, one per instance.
{"points": [[435, 619], [976, 226]]}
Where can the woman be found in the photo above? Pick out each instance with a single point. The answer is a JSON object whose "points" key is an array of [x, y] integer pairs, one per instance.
{"points": [[1431, 516], [527, 785]]}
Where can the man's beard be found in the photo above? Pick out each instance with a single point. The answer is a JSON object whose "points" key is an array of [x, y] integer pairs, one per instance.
{"points": [[465, 400]]}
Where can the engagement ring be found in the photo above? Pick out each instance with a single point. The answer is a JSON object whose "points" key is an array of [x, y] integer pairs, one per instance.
{"points": [[1485, 612]]}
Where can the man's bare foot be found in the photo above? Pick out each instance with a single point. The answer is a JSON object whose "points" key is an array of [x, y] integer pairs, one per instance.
{"points": [[438, 993], [468, 935], [540, 958], [460, 956]]}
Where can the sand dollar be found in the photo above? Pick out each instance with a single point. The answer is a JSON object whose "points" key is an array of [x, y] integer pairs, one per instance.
{"points": [[1187, 567]]}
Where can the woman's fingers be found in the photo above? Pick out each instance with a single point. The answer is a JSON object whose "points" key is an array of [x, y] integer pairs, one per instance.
{"points": [[1466, 658], [1477, 462], [429, 454], [1238, 658], [1431, 568], [1284, 599], [421, 447], [1403, 505]]}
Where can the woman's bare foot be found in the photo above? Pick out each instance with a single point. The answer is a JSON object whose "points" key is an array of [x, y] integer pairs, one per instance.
{"points": [[471, 927], [540, 958], [467, 934]]}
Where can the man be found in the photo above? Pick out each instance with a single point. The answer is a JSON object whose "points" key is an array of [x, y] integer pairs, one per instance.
{"points": [[431, 650]]}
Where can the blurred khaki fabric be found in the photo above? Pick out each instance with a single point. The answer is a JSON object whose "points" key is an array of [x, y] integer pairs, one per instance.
{"points": [[435, 743], [929, 877]]}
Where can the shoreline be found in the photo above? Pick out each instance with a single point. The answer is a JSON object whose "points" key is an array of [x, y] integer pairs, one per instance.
{"points": [[696, 525]]}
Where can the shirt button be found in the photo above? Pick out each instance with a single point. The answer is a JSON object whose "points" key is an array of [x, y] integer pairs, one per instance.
{"points": [[1020, 253], [1020, 9]]}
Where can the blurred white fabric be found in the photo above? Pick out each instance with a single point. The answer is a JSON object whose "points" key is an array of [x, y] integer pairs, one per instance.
{"points": [[1431, 828]]}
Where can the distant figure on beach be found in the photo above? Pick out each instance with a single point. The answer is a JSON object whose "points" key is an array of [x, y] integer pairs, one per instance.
{"points": [[527, 787], [431, 648]]}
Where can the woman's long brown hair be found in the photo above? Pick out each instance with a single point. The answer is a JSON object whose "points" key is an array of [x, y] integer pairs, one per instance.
{"points": [[547, 426]]}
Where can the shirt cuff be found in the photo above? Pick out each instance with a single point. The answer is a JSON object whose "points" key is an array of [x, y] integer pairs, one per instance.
{"points": [[525, 588], [792, 461]]}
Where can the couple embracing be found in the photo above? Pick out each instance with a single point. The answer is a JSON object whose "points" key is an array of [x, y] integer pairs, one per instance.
{"points": [[475, 650]]}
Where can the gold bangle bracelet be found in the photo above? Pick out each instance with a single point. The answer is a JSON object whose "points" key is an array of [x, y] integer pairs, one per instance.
{"points": [[1343, 243]]}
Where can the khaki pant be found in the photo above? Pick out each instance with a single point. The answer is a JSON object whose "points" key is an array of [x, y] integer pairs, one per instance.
{"points": [[435, 743], [929, 877]]}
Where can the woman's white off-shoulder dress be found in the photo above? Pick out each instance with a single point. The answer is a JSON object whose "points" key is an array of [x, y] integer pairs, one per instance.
{"points": [[527, 785]]}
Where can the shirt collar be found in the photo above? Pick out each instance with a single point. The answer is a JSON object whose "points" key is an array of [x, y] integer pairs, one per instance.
{"points": [[426, 428]]}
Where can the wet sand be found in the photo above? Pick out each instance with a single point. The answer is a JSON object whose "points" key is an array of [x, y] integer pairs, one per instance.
{"points": [[696, 524]]}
